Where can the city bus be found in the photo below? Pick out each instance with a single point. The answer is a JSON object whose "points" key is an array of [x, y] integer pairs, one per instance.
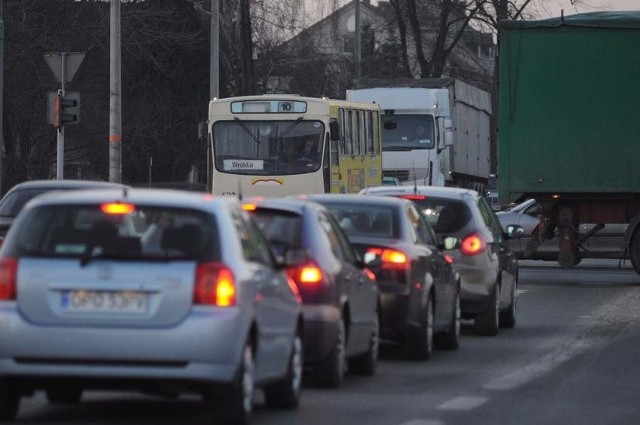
{"points": [[279, 145]]}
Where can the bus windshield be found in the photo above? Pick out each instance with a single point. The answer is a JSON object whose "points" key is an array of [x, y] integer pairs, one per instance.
{"points": [[411, 131], [267, 147]]}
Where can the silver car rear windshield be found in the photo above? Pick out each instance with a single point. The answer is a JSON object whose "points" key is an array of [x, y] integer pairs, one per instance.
{"points": [[365, 220], [446, 216], [88, 231], [282, 228]]}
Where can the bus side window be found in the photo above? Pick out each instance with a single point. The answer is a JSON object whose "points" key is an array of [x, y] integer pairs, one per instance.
{"points": [[362, 136], [369, 132], [376, 133], [333, 149], [341, 121], [356, 133], [348, 131]]}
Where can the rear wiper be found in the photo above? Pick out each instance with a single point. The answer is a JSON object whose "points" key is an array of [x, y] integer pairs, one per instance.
{"points": [[86, 259]]}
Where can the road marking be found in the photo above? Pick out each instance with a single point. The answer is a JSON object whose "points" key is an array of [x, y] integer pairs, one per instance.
{"points": [[535, 370], [422, 422], [463, 403]]}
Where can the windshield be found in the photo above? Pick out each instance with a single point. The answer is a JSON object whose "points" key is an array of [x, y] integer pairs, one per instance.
{"points": [[267, 147], [412, 131], [365, 220], [86, 232]]}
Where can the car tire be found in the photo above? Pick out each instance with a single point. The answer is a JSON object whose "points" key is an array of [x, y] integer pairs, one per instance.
{"points": [[488, 322], [365, 364], [420, 347], [234, 403], [329, 373], [508, 315], [9, 401], [285, 394], [68, 395], [450, 339]]}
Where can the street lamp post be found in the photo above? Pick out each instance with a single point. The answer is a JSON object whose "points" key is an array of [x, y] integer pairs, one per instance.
{"points": [[115, 98]]}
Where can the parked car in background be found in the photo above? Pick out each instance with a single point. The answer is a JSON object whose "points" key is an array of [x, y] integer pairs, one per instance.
{"points": [[391, 181], [488, 267], [16, 198], [190, 301], [340, 297], [599, 241], [420, 291]]}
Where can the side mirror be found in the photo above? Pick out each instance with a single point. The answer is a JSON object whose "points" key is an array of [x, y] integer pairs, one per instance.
{"points": [[372, 260], [448, 132], [334, 129], [450, 242], [390, 125], [514, 231], [202, 132]]}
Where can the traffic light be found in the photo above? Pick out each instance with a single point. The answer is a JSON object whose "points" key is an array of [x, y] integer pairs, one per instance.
{"points": [[63, 109]]}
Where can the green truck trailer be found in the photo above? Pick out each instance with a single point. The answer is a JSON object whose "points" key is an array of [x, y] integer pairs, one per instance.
{"points": [[569, 124]]}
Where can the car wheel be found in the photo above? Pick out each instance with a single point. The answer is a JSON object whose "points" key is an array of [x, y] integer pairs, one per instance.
{"points": [[365, 364], [286, 393], [68, 395], [421, 346], [450, 340], [488, 322], [235, 403], [330, 372], [9, 401], [508, 316]]}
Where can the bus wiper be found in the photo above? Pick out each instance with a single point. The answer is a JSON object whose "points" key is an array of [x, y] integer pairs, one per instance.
{"points": [[246, 129], [292, 126]]}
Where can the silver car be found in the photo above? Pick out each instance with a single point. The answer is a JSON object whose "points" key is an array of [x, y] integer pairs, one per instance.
{"points": [[151, 290], [488, 268]]}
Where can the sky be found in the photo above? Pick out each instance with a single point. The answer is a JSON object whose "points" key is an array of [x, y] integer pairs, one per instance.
{"points": [[554, 7]]}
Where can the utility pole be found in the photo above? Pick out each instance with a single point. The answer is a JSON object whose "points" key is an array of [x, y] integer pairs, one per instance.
{"points": [[60, 132], [115, 98], [358, 46], [214, 60]]}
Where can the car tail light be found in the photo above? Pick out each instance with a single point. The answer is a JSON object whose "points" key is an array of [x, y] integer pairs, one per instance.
{"points": [[391, 258], [448, 259], [414, 197], [473, 244], [8, 274], [215, 285], [307, 275], [117, 208]]}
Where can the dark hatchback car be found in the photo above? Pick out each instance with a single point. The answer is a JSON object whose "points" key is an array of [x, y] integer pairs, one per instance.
{"points": [[420, 291], [16, 198], [488, 267], [340, 297]]}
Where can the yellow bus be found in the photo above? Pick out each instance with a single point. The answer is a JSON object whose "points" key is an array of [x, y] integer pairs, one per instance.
{"points": [[279, 145]]}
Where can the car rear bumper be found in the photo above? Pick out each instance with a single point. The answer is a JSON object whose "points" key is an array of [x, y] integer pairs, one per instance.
{"points": [[400, 314], [204, 347], [477, 282], [320, 331]]}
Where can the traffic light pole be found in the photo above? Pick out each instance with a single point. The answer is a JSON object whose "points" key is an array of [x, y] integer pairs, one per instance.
{"points": [[60, 144]]}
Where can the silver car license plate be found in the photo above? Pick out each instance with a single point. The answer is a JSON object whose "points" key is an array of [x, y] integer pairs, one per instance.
{"points": [[84, 301]]}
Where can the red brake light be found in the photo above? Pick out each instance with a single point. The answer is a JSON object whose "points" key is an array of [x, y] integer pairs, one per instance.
{"points": [[391, 258], [215, 285], [473, 244], [414, 197], [8, 274], [117, 208], [308, 274]]}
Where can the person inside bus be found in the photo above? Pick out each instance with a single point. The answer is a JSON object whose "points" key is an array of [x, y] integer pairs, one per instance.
{"points": [[310, 152]]}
